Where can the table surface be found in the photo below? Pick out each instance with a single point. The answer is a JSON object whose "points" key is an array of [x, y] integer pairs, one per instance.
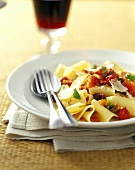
{"points": [[91, 24]]}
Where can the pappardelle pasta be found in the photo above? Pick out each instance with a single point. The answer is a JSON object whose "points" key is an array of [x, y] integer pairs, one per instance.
{"points": [[94, 93]]}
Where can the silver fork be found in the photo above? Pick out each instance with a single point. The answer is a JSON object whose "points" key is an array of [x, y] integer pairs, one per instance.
{"points": [[54, 121], [44, 80], [65, 116]]}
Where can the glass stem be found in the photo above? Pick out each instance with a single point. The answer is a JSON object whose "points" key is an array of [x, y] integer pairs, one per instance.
{"points": [[53, 45]]}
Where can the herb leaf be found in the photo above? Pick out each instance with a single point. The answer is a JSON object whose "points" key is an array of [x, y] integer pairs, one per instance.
{"points": [[130, 77], [109, 105], [94, 66], [76, 95], [104, 71]]}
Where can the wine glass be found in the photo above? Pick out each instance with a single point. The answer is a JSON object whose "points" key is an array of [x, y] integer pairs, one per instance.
{"points": [[51, 17]]}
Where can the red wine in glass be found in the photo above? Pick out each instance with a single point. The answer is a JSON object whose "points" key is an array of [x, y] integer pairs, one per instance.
{"points": [[51, 14]]}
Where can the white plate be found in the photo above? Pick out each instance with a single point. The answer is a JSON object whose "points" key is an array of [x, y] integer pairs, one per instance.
{"points": [[18, 83]]}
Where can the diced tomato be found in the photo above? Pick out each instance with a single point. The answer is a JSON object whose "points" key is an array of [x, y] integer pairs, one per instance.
{"points": [[107, 79], [130, 85], [62, 79], [68, 82], [102, 72], [65, 80], [99, 72], [123, 114], [92, 81], [103, 102], [102, 81], [94, 118]]}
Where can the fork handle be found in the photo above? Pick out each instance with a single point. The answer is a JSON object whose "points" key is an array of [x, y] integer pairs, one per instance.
{"points": [[65, 116], [54, 122]]}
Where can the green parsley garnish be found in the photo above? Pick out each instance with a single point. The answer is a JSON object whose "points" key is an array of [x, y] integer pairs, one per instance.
{"points": [[94, 66], [130, 77], [76, 95], [104, 71], [109, 105], [119, 79]]}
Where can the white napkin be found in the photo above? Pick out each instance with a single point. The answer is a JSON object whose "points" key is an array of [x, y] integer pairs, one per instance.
{"points": [[23, 125]]}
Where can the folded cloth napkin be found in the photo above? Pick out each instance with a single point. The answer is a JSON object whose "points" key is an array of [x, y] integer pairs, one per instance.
{"points": [[23, 125]]}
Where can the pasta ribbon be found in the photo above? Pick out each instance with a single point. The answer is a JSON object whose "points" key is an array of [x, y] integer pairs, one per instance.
{"points": [[70, 73], [104, 114], [118, 69], [80, 66], [83, 95], [107, 91], [60, 70], [87, 112], [76, 108]]}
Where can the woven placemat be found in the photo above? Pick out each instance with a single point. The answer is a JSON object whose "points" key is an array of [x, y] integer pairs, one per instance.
{"points": [[92, 24]]}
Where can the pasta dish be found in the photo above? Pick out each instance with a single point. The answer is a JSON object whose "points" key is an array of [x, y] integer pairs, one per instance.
{"points": [[94, 93]]}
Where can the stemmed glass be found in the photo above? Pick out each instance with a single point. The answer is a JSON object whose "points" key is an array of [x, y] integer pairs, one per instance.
{"points": [[51, 17]]}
